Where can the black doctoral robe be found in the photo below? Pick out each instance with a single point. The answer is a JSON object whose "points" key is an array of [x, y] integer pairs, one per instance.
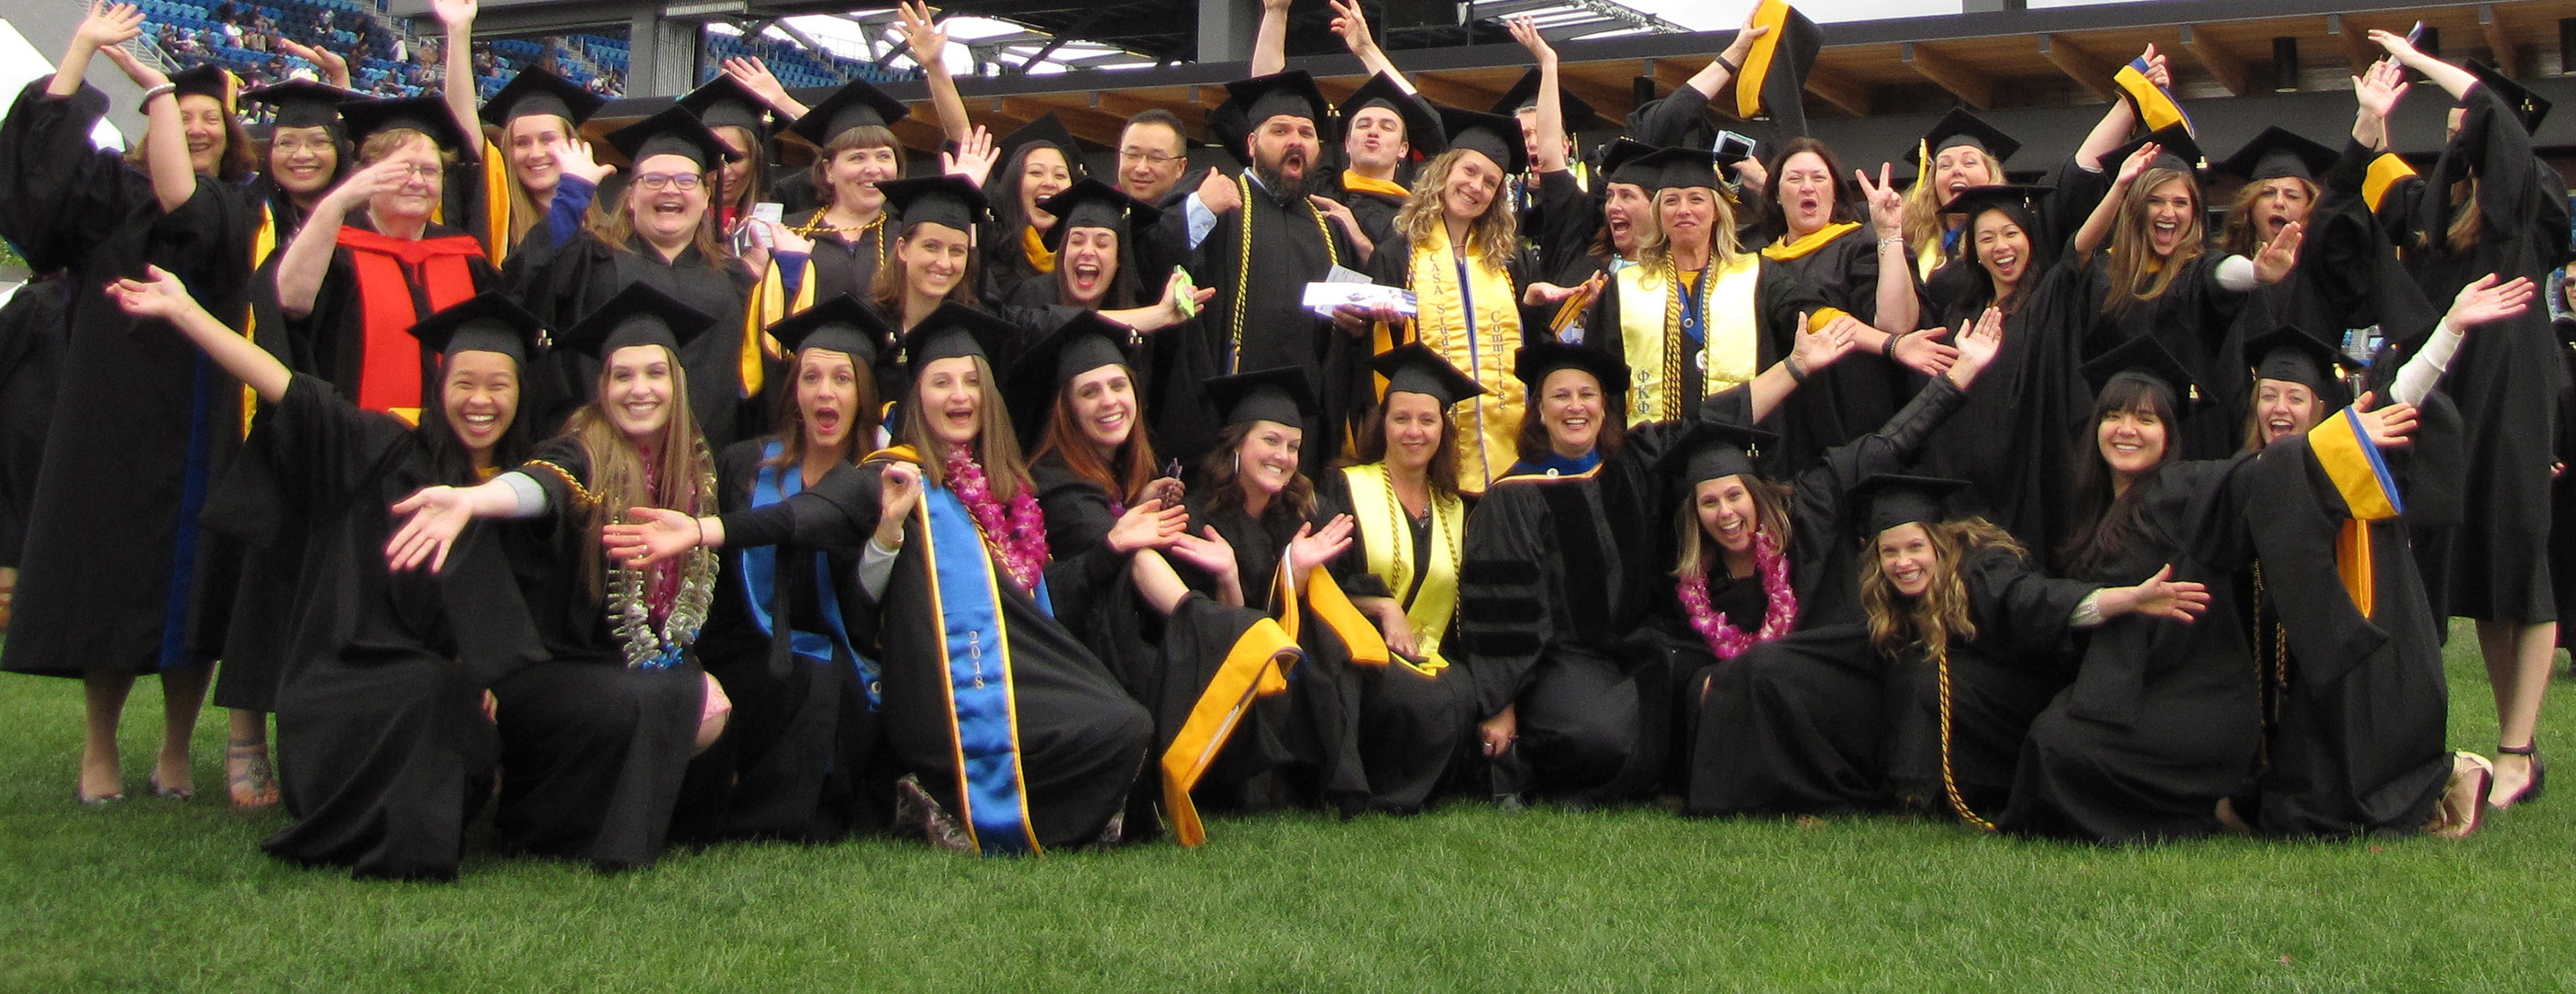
{"points": [[141, 418], [383, 750], [1258, 319], [1411, 729], [563, 284]]}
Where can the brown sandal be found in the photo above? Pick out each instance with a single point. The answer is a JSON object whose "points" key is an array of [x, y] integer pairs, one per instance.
{"points": [[253, 781]]}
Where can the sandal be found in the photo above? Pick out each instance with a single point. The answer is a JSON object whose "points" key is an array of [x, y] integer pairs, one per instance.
{"points": [[169, 793], [2531, 790], [2448, 821], [253, 782]]}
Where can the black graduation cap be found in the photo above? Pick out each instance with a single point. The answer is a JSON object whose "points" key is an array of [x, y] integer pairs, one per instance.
{"points": [[1047, 131], [1773, 80], [1082, 344], [536, 91], [1578, 116], [2180, 152], [1958, 128], [1978, 199], [673, 131], [2528, 107], [2279, 153], [1293, 93], [1680, 167], [1280, 395], [486, 322], [1714, 450], [427, 115], [2294, 356], [841, 324], [208, 80], [725, 101], [948, 200], [1531, 363], [1899, 499], [1090, 203], [303, 103], [956, 330], [1422, 129], [1619, 165], [1498, 137], [638, 315], [2144, 358], [1414, 368], [857, 104]]}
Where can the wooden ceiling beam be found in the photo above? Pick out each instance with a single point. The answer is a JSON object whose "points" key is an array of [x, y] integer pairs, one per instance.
{"points": [[2357, 48], [1852, 95], [2223, 65], [2088, 70], [1972, 86], [2499, 41]]}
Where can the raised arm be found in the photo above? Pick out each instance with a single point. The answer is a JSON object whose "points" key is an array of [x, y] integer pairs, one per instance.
{"points": [[2097, 226], [2112, 130], [754, 75], [2375, 93], [1270, 40], [165, 140], [108, 25], [458, 17], [1712, 78], [301, 269], [1810, 352], [2452, 79], [1551, 112], [1350, 22], [929, 42], [335, 69], [161, 296], [1900, 309]]}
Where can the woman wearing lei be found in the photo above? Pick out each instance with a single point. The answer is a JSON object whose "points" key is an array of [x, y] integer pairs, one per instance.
{"points": [[595, 740]]}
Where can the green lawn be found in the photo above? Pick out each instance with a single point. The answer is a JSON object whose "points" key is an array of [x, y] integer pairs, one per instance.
{"points": [[157, 895]]}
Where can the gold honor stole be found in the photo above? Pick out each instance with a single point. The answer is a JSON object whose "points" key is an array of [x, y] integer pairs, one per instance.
{"points": [[2385, 173], [1481, 343], [1256, 667], [1819, 238], [1389, 540], [262, 244], [1353, 182], [1731, 331], [496, 204], [1034, 246], [1772, 14], [770, 304], [975, 662], [2156, 106], [2369, 494]]}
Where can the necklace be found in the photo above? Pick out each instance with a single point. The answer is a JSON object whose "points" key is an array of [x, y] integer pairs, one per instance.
{"points": [[1724, 639]]}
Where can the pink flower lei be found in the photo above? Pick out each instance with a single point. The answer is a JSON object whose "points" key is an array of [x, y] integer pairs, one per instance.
{"points": [[1726, 640], [1020, 545]]}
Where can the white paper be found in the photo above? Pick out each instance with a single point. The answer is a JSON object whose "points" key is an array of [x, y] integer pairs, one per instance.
{"points": [[1322, 298]]}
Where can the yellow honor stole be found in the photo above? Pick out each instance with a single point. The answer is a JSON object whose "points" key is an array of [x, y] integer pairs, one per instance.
{"points": [[1383, 529], [1650, 310], [1489, 428]]}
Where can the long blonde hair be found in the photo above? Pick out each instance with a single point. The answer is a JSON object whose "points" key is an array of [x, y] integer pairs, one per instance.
{"points": [[1492, 237], [1931, 621], [2134, 271], [682, 472], [2467, 222], [524, 215], [1925, 224], [997, 442], [1655, 248]]}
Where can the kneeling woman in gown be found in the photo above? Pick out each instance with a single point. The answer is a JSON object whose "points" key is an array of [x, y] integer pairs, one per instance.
{"points": [[384, 739], [595, 740]]}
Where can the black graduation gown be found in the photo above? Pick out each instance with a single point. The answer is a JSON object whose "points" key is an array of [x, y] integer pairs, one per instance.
{"points": [[31, 348], [1999, 681], [1806, 428], [1411, 728], [563, 284], [593, 750], [2196, 320], [802, 756], [2014, 441], [383, 750], [2162, 719], [2357, 704], [1374, 211], [2506, 376], [1570, 217], [2348, 275], [1860, 392], [844, 264], [1263, 279], [141, 417]]}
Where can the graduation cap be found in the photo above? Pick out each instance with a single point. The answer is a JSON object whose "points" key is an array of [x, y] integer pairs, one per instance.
{"points": [[1414, 368], [1082, 344], [1618, 165], [2279, 153], [841, 324], [2181, 152], [1714, 450], [955, 331], [2290, 355], [536, 91], [948, 200], [1977, 200], [486, 322], [209, 80], [1292, 93], [2145, 359], [2528, 107], [1280, 395], [1047, 131], [1531, 363], [1961, 129], [427, 115], [1774, 76], [1498, 137], [674, 131], [1090, 203], [1422, 129], [303, 103], [857, 104], [1680, 168], [724, 101], [1577, 115], [638, 315], [1900, 499]]}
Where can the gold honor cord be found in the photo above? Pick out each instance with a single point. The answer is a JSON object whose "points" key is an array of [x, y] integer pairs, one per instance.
{"points": [[1243, 266], [1950, 779]]}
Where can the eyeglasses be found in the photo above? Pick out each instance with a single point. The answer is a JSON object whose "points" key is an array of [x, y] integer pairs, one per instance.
{"points": [[683, 182], [417, 170], [1142, 155]]}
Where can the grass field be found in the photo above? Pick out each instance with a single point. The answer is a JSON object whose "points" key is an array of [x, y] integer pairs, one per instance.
{"points": [[158, 895]]}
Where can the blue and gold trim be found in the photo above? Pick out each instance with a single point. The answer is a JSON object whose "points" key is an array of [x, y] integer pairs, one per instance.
{"points": [[975, 657]]}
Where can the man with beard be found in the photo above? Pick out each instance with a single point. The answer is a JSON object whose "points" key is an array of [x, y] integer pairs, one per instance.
{"points": [[1258, 239]]}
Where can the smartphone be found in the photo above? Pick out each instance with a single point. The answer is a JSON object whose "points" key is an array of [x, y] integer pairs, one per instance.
{"points": [[2415, 35], [770, 211], [1732, 146]]}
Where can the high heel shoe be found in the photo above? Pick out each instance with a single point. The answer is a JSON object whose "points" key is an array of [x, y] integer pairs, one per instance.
{"points": [[2530, 789]]}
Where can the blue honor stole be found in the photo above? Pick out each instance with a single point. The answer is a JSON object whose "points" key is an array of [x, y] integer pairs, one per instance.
{"points": [[975, 653], [759, 583]]}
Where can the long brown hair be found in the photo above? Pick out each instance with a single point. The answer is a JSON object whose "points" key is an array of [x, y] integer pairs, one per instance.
{"points": [[524, 215], [1135, 456], [1941, 614], [789, 426], [617, 472], [997, 446], [2238, 237], [1493, 236], [755, 181], [2104, 522], [2134, 271], [1293, 502], [1371, 447], [1770, 517], [2467, 224], [888, 287], [237, 163], [863, 136]]}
